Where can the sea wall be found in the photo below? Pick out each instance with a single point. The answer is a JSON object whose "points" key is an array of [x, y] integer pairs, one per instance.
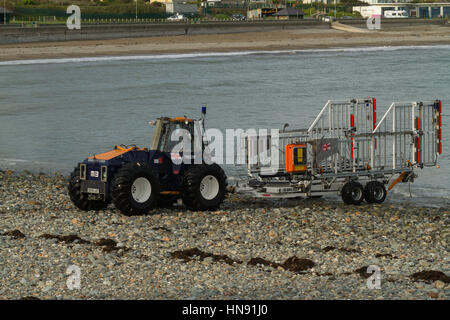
{"points": [[47, 33]]}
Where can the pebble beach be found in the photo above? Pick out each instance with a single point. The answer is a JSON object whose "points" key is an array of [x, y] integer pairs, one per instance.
{"points": [[249, 249]]}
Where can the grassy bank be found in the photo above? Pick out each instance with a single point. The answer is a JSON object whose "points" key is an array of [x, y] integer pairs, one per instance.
{"points": [[50, 13], [32, 10]]}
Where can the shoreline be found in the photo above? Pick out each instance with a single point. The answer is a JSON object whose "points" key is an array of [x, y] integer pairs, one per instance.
{"points": [[182, 54], [395, 200], [281, 40]]}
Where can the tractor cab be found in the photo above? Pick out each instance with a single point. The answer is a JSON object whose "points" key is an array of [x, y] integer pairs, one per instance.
{"points": [[169, 132]]}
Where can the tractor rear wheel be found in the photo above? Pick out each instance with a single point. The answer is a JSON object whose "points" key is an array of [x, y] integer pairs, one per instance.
{"points": [[204, 187], [135, 188], [352, 193], [79, 199], [374, 192]]}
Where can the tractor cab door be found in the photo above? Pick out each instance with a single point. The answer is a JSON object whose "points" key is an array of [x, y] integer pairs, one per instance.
{"points": [[169, 132]]}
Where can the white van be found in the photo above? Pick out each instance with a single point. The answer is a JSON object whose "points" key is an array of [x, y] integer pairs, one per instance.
{"points": [[176, 17], [396, 14]]}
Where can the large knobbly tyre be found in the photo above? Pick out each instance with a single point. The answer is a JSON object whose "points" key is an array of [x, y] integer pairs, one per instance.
{"points": [[374, 192], [204, 187], [135, 188], [352, 193], [79, 199]]}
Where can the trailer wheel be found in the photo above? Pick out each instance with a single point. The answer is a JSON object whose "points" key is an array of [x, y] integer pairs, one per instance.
{"points": [[79, 199], [375, 192], [352, 193], [204, 187], [135, 188]]}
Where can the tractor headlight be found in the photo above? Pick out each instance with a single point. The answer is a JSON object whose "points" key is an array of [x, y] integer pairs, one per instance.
{"points": [[82, 171], [104, 173]]}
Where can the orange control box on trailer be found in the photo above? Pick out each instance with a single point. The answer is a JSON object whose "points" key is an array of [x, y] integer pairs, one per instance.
{"points": [[295, 160]]}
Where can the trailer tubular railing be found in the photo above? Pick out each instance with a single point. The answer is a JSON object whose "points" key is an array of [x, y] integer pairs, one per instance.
{"points": [[407, 135]]}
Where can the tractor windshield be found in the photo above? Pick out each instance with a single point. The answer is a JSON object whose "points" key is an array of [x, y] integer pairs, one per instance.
{"points": [[172, 133]]}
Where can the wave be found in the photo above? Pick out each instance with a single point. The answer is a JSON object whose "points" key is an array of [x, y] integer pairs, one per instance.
{"points": [[217, 54], [34, 166]]}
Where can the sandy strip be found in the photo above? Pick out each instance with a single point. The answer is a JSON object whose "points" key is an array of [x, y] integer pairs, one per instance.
{"points": [[275, 40]]}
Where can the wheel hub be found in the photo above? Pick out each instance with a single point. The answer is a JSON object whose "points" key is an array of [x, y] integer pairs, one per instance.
{"points": [[141, 190], [378, 193], [209, 187], [356, 193]]}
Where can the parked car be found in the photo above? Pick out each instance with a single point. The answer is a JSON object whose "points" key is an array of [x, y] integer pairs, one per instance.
{"points": [[176, 17], [238, 17], [396, 14]]}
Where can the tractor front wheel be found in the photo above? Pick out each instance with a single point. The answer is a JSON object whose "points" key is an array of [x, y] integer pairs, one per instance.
{"points": [[79, 199], [135, 188], [204, 187]]}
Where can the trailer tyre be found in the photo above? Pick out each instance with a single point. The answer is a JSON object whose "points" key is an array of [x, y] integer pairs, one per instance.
{"points": [[135, 188], [79, 199], [375, 192], [352, 193], [204, 187]]}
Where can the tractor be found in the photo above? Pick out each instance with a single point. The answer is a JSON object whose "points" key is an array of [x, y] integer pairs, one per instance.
{"points": [[137, 180]]}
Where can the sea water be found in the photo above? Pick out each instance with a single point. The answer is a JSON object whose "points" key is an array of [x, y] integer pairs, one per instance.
{"points": [[56, 112]]}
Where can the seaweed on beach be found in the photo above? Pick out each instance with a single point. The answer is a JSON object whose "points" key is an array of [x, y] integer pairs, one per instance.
{"points": [[15, 234], [293, 264], [188, 254], [109, 245], [363, 272], [329, 248], [161, 228], [261, 261], [430, 276], [67, 239], [384, 255]]}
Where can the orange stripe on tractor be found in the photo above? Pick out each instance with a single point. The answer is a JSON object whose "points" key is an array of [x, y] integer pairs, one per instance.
{"points": [[113, 153], [170, 192], [180, 119]]}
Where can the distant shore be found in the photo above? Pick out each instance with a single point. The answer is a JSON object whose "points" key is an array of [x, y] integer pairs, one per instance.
{"points": [[291, 39]]}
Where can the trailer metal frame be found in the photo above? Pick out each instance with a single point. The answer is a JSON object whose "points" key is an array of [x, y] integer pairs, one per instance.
{"points": [[408, 136]]}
